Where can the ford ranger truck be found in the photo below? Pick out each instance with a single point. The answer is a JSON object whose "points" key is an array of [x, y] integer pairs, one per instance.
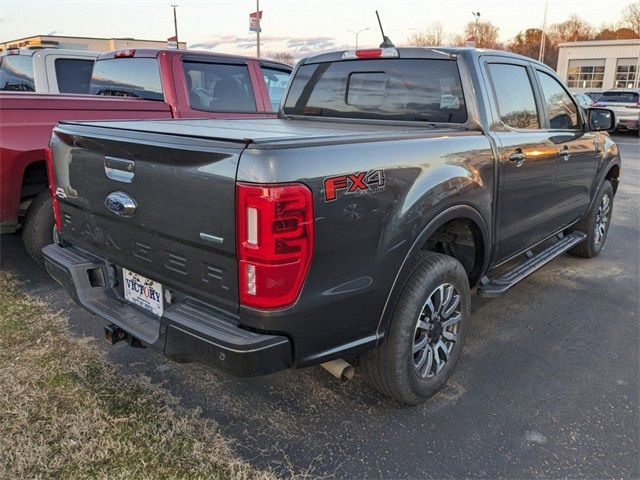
{"points": [[353, 226], [126, 84]]}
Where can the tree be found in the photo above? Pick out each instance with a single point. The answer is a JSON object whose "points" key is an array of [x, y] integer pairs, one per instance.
{"points": [[631, 17], [526, 43], [432, 36], [616, 34], [572, 30], [284, 57], [487, 34]]}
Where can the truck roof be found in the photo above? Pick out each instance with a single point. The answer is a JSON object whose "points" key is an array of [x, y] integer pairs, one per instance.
{"points": [[154, 52], [30, 52], [419, 52]]}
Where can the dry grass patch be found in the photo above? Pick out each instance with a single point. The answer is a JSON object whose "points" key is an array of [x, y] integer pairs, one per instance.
{"points": [[67, 413]]}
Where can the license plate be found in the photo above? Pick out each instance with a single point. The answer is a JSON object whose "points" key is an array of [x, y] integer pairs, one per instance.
{"points": [[143, 292]]}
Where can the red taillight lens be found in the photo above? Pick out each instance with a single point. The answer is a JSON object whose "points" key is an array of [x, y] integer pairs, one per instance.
{"points": [[369, 53], [52, 188], [275, 242], [124, 53]]}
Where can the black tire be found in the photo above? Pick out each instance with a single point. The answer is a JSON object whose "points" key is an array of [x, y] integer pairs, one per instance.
{"points": [[391, 366], [592, 245], [37, 231]]}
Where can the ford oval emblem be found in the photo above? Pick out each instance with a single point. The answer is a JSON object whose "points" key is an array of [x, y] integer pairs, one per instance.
{"points": [[121, 204]]}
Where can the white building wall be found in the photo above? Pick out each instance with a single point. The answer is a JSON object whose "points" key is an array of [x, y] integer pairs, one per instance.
{"points": [[608, 50]]}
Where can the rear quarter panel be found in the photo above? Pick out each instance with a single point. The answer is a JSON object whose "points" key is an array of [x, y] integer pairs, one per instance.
{"points": [[361, 241]]}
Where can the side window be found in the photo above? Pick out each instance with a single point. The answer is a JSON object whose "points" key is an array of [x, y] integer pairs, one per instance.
{"points": [[276, 81], [73, 75], [16, 73], [514, 94], [217, 87], [562, 112]]}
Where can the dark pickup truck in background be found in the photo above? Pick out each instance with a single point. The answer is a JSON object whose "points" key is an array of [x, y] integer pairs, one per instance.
{"points": [[127, 84], [354, 226]]}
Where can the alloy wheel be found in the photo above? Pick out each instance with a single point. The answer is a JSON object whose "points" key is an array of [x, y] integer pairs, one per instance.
{"points": [[436, 331], [602, 218]]}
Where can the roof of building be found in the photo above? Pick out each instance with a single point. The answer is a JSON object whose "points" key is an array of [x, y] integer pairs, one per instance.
{"points": [[601, 43]]}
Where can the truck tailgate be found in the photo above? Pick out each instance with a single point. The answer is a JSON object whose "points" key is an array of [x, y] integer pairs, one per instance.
{"points": [[180, 230]]}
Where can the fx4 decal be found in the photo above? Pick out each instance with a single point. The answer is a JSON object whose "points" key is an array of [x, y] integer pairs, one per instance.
{"points": [[359, 183]]}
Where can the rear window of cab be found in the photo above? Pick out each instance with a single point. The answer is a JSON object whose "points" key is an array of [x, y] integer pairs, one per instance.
{"points": [[127, 77], [425, 90]]}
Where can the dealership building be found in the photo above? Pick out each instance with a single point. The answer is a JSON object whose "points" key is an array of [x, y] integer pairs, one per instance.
{"points": [[599, 65], [83, 43]]}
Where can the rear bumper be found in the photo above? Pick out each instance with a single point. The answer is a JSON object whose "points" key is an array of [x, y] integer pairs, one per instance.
{"points": [[188, 331], [628, 124]]}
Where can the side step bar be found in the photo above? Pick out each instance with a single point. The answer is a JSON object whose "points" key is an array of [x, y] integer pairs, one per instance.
{"points": [[497, 286]]}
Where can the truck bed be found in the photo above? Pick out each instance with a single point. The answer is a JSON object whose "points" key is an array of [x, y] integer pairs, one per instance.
{"points": [[276, 133]]}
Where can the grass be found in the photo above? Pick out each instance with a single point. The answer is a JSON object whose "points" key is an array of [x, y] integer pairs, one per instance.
{"points": [[65, 412]]}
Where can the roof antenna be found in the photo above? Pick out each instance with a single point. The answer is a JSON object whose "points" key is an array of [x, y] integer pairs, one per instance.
{"points": [[386, 41]]}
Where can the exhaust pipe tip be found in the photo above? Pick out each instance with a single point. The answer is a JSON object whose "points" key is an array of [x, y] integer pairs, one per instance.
{"points": [[340, 369]]}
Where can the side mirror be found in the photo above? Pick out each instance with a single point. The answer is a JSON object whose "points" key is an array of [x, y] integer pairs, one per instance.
{"points": [[601, 119]]}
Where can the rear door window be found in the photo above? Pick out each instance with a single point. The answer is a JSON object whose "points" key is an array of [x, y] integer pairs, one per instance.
{"points": [[16, 73], [73, 75], [514, 95], [219, 87], [276, 81], [127, 77], [561, 110]]}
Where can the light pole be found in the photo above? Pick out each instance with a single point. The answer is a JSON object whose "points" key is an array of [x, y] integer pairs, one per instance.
{"points": [[358, 32], [475, 33], [175, 25], [543, 35], [258, 28]]}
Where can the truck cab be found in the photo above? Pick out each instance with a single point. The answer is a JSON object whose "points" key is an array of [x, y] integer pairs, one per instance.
{"points": [[46, 70]]}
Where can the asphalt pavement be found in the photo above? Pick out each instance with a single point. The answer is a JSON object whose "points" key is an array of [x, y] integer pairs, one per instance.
{"points": [[548, 384]]}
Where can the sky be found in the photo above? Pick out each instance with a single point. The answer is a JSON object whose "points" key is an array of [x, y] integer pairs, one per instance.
{"points": [[299, 27]]}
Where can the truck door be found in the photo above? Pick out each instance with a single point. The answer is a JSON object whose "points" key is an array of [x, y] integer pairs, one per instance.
{"points": [[526, 209], [576, 162]]}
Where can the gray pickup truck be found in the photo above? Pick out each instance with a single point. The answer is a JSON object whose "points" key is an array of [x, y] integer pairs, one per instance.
{"points": [[351, 228]]}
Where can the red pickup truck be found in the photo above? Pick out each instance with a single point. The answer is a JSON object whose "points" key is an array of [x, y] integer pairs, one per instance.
{"points": [[129, 84]]}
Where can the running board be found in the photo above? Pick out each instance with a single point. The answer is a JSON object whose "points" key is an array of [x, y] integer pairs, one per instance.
{"points": [[497, 286]]}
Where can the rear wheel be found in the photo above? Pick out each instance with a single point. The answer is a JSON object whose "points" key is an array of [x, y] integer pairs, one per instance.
{"points": [[37, 231], [427, 332], [595, 223]]}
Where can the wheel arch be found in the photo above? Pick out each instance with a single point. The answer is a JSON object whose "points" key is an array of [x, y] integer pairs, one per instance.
{"points": [[466, 214]]}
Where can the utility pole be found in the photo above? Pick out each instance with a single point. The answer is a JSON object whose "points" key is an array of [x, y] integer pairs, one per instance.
{"points": [[543, 36], [358, 32], [175, 25], [258, 26], [475, 34]]}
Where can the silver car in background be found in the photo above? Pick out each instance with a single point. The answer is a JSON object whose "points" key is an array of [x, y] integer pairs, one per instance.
{"points": [[625, 102]]}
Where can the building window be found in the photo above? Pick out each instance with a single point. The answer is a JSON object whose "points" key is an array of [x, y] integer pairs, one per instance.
{"points": [[626, 73], [585, 74]]}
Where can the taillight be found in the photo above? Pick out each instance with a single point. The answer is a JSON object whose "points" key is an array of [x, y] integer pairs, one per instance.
{"points": [[124, 53], [370, 53], [52, 189], [275, 242]]}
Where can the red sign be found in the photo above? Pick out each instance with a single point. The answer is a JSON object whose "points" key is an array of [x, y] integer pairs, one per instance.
{"points": [[172, 42], [254, 21]]}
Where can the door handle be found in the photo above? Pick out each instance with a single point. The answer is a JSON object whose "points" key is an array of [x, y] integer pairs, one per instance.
{"points": [[119, 169], [565, 153], [518, 157]]}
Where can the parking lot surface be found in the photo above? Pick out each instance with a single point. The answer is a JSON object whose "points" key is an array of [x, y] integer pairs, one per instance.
{"points": [[548, 384]]}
